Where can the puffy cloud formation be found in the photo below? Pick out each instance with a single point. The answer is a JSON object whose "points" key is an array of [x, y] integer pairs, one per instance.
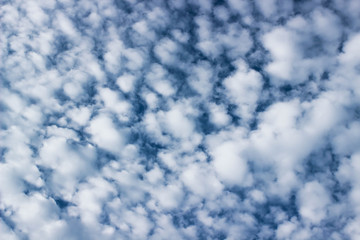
{"points": [[130, 119]]}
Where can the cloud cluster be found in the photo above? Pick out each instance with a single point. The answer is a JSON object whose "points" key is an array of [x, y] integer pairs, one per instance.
{"points": [[179, 119]]}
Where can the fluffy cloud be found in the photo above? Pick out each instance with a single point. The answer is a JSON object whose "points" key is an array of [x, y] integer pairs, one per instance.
{"points": [[229, 164], [313, 199], [105, 134], [179, 120], [244, 88]]}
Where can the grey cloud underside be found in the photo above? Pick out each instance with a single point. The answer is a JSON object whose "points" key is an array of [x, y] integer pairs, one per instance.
{"points": [[180, 119]]}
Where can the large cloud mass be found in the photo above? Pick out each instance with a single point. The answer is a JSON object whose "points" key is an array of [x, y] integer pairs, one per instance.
{"points": [[127, 119]]}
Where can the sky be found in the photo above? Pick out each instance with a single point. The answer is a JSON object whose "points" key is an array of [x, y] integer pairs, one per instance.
{"points": [[179, 119]]}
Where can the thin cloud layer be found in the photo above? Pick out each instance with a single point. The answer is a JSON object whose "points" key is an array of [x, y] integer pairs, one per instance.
{"points": [[179, 119]]}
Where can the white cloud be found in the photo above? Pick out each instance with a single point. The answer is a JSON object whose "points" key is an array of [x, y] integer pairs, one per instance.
{"points": [[73, 90], [115, 104], [165, 228], [348, 139], [258, 196], [35, 213], [242, 6], [244, 88], [90, 199], [285, 230], [68, 163], [155, 175], [166, 50], [113, 55], [126, 82], [121, 120], [267, 8], [228, 163], [349, 58], [201, 181], [143, 28], [66, 25], [218, 115], [347, 174], [237, 41], [313, 199], [284, 50], [152, 125], [135, 58], [168, 197], [13, 101], [80, 115], [352, 230], [140, 225], [178, 124], [36, 14], [180, 36], [6, 232], [158, 79], [326, 19], [221, 13], [105, 134]]}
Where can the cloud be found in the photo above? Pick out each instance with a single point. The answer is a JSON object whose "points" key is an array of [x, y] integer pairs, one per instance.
{"points": [[218, 115], [229, 165], [313, 199], [166, 51], [158, 79], [200, 181], [244, 88], [105, 134], [179, 120], [177, 123], [126, 82], [267, 8]]}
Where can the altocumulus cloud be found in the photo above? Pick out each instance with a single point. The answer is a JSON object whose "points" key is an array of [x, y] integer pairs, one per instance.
{"points": [[181, 119]]}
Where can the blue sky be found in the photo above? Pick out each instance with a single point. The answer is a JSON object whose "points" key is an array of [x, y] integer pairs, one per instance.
{"points": [[180, 119]]}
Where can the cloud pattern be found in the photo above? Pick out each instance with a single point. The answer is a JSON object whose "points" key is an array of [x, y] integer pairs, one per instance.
{"points": [[126, 119]]}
